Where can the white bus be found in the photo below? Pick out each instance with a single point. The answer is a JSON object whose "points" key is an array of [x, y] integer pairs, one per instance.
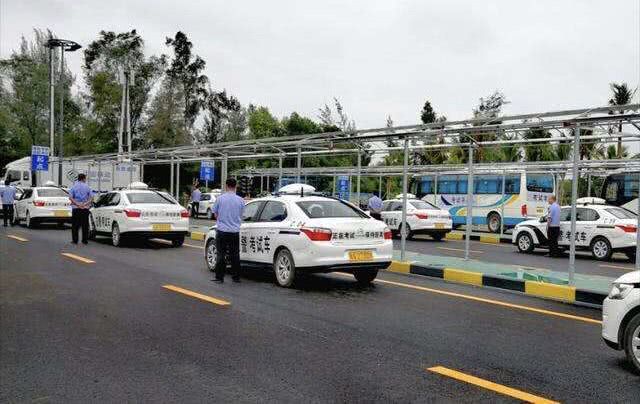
{"points": [[622, 190], [525, 195]]}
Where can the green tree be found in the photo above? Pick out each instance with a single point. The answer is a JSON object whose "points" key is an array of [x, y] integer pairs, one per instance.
{"points": [[165, 126], [262, 124], [219, 109], [538, 151], [621, 95]]}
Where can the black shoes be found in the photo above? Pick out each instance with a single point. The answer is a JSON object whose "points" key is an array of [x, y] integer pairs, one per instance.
{"points": [[217, 280]]}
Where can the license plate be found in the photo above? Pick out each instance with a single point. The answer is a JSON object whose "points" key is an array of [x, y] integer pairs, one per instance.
{"points": [[161, 227], [360, 255], [439, 225], [61, 213]]}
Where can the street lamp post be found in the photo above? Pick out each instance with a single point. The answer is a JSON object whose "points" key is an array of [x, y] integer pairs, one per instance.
{"points": [[69, 46]]}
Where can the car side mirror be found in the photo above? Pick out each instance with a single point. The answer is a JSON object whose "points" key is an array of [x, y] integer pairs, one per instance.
{"points": [[543, 219]]}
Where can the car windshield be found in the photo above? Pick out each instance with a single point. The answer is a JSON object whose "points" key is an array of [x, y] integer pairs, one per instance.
{"points": [[621, 213], [329, 208], [422, 205], [51, 192], [148, 197]]}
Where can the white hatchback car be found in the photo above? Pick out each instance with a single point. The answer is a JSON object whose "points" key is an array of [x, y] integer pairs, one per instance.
{"points": [[293, 233], [139, 212], [42, 204], [621, 317], [422, 217], [601, 229]]}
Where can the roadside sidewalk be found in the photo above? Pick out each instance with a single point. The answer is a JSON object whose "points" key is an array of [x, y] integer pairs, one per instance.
{"points": [[587, 289]]}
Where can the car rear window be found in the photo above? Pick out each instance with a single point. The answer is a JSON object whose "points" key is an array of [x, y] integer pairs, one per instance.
{"points": [[148, 197], [621, 213], [422, 205], [331, 208], [51, 192]]}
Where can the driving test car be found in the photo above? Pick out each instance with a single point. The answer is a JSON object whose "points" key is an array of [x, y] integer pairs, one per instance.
{"points": [[422, 217], [42, 204], [207, 199], [601, 229], [621, 317], [296, 231], [138, 212]]}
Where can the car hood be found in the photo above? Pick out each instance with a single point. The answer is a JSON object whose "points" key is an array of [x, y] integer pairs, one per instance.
{"points": [[531, 222], [631, 277]]}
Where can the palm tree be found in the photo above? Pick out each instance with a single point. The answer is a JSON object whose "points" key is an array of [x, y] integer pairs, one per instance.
{"points": [[621, 95]]}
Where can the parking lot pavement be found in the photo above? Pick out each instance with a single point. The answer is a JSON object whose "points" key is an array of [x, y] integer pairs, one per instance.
{"points": [[102, 325], [508, 254]]}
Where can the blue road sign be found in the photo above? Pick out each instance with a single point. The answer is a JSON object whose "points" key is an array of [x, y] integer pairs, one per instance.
{"points": [[343, 187], [39, 158], [207, 170]]}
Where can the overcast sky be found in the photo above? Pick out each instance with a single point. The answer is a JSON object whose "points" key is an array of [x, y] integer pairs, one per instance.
{"points": [[378, 57]]}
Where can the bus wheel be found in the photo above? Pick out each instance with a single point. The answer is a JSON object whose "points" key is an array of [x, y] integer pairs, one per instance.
{"points": [[494, 222]]}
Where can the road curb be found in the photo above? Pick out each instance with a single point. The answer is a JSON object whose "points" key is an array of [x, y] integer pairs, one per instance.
{"points": [[563, 293], [484, 238], [197, 235]]}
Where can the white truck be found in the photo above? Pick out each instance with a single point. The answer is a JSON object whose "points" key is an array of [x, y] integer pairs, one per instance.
{"points": [[104, 175]]}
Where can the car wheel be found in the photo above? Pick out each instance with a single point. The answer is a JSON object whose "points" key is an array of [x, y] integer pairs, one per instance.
{"points": [[437, 236], [178, 241], [601, 249], [524, 241], [632, 342], [116, 236], [284, 268], [494, 222], [365, 277], [211, 254], [29, 222], [209, 214]]}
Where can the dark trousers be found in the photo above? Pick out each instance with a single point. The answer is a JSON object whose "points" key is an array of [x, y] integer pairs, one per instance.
{"points": [[7, 213], [553, 232], [227, 247], [195, 207], [79, 218]]}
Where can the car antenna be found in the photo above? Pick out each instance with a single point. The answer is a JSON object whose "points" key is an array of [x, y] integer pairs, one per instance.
{"points": [[301, 191]]}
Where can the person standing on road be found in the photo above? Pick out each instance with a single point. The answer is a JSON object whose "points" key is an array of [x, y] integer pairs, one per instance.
{"points": [[8, 194], [553, 226], [227, 210], [375, 206], [80, 195], [195, 201]]}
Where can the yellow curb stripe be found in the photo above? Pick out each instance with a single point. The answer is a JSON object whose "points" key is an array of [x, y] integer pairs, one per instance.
{"points": [[197, 295], [489, 301], [21, 239], [402, 267], [78, 258], [498, 388], [490, 239], [197, 235], [551, 291], [458, 275], [454, 236]]}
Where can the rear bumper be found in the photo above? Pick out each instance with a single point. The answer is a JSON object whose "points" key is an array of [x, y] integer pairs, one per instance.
{"points": [[156, 234], [349, 267]]}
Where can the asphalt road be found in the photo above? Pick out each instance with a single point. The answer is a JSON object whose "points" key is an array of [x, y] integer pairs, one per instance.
{"points": [[107, 330]]}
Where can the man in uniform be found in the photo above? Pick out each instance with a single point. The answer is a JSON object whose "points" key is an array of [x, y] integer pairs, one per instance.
{"points": [[228, 209], [195, 201], [375, 206], [8, 194], [80, 195], [553, 226]]}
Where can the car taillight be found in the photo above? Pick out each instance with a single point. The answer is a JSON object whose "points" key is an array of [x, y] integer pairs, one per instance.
{"points": [[422, 216], [387, 234], [184, 213], [38, 203], [317, 233], [523, 210], [132, 213], [627, 228]]}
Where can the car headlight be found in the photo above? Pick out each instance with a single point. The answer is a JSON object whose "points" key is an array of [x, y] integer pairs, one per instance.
{"points": [[620, 290]]}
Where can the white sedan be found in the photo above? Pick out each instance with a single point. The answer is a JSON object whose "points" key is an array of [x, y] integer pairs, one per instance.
{"points": [[139, 212], [422, 217], [621, 317], [207, 200], [601, 229], [42, 204], [294, 233]]}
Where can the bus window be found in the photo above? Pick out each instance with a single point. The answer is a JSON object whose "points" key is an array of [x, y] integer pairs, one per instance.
{"points": [[540, 183], [487, 184], [630, 187], [447, 184], [512, 184], [611, 192], [462, 184], [426, 185]]}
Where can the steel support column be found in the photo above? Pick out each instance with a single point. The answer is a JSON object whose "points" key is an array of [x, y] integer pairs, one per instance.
{"points": [[467, 241], [358, 178], [279, 172], [299, 164], [403, 232], [574, 196], [171, 177], [502, 206], [178, 182]]}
